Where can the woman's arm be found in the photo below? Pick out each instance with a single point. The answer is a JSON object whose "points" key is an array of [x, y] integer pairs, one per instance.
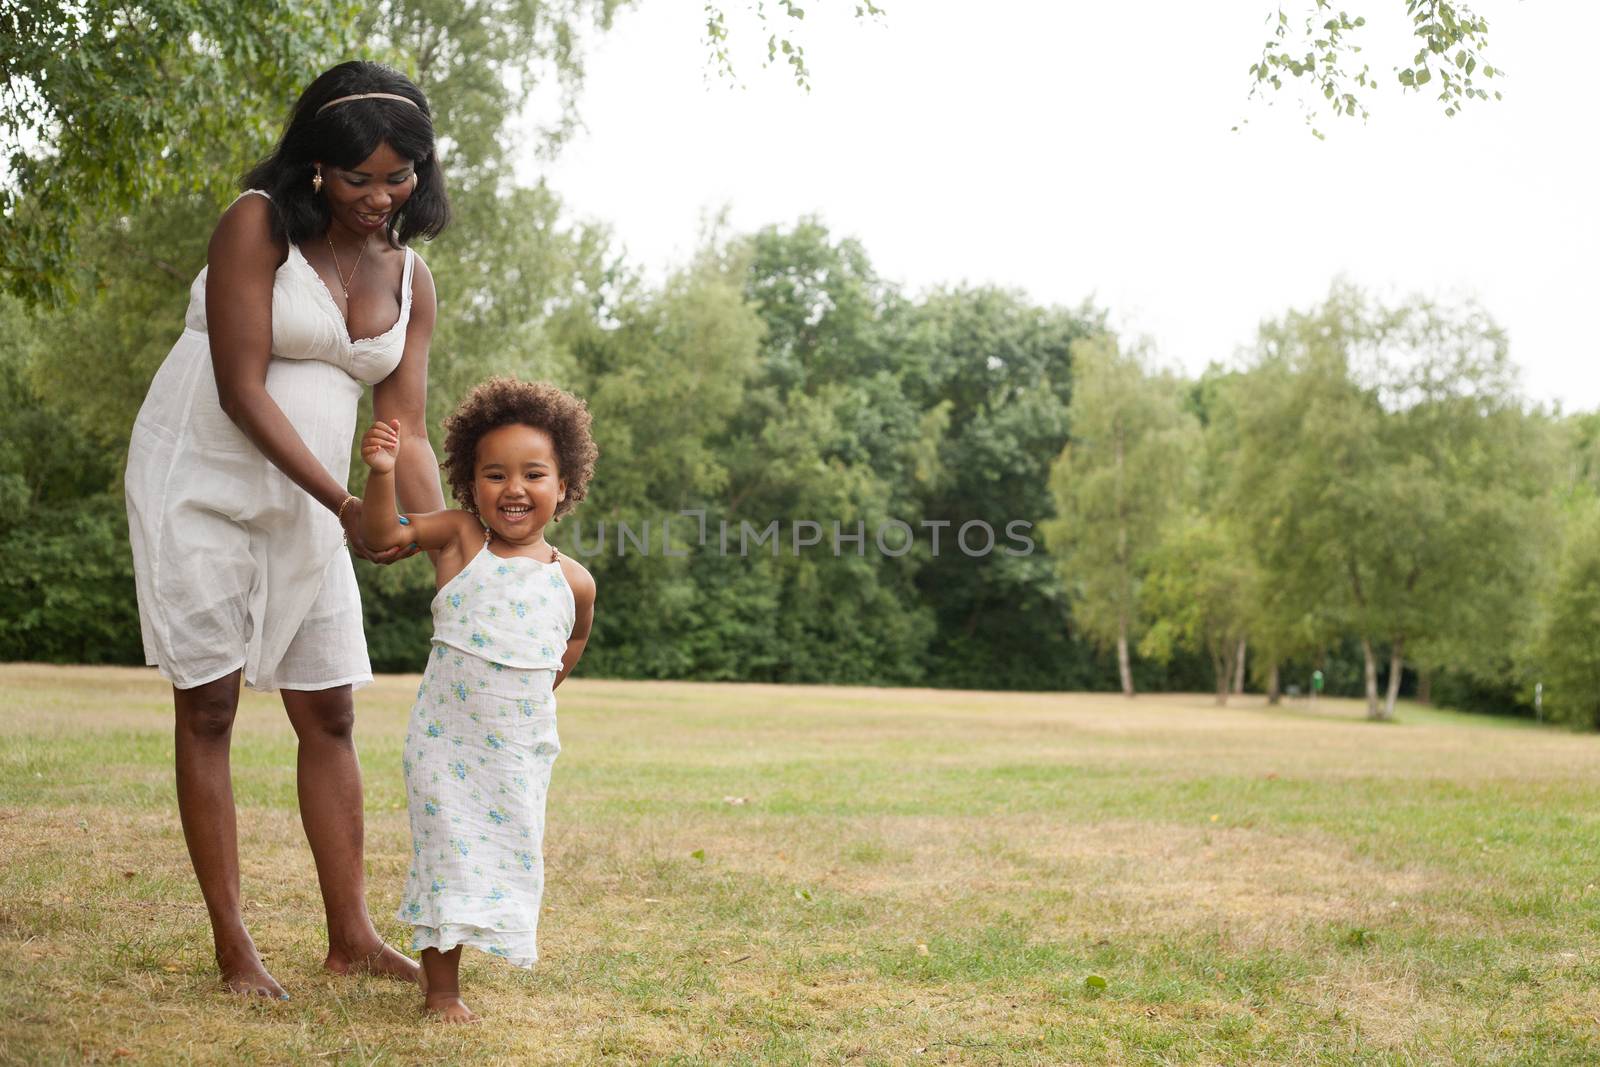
{"points": [[403, 396], [241, 261], [582, 583]]}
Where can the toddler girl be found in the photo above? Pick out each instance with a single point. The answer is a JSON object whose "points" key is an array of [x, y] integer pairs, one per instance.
{"points": [[510, 620]]}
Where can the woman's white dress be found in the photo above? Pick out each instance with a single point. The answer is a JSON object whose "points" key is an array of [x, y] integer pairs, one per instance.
{"points": [[235, 564]]}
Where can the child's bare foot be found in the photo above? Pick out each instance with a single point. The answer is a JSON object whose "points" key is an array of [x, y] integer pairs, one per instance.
{"points": [[245, 974], [378, 959], [448, 1008]]}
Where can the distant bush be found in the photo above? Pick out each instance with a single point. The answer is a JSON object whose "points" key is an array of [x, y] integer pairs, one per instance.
{"points": [[67, 585]]}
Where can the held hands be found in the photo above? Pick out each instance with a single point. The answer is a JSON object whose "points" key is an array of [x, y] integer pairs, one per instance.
{"points": [[354, 536], [380, 446]]}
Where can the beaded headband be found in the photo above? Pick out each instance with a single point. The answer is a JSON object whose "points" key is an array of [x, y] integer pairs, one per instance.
{"points": [[369, 96]]}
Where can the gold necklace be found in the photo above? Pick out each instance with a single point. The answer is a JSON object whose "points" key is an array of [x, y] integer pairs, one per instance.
{"points": [[344, 283]]}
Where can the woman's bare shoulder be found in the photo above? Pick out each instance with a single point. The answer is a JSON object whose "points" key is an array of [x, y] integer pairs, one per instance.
{"points": [[244, 232]]}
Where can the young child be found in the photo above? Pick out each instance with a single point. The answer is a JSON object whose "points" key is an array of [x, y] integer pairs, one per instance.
{"points": [[510, 620]]}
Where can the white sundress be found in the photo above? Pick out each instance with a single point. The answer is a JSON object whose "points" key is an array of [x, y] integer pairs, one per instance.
{"points": [[236, 565], [480, 745]]}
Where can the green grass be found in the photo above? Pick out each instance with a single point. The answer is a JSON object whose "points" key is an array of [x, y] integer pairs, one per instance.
{"points": [[912, 877]]}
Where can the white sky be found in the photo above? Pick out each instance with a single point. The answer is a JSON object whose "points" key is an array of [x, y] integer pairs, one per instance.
{"points": [[1082, 149]]}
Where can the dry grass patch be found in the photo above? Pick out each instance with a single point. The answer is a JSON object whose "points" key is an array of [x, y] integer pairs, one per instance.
{"points": [[1119, 876], [912, 877]]}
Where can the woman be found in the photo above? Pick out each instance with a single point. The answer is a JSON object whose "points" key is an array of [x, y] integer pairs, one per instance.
{"points": [[237, 504]]}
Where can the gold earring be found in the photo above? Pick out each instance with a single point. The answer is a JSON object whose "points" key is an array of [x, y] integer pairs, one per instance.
{"points": [[316, 179]]}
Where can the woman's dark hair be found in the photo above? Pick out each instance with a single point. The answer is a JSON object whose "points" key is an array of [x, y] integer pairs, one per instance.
{"points": [[345, 135]]}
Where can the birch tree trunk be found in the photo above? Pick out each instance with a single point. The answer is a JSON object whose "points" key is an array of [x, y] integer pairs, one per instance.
{"points": [[1126, 576], [1238, 668], [1397, 665], [1373, 710], [1123, 666]]}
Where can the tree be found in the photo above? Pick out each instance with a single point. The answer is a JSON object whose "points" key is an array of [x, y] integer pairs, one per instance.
{"points": [[1199, 590], [67, 587], [1121, 476], [479, 61], [1565, 655], [828, 432], [993, 376], [1384, 472], [1278, 625], [116, 105]]}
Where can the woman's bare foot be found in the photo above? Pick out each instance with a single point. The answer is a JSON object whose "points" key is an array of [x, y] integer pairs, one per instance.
{"points": [[244, 973], [380, 959], [448, 1008]]}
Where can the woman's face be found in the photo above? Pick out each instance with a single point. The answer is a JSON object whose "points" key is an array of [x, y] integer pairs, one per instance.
{"points": [[363, 197]]}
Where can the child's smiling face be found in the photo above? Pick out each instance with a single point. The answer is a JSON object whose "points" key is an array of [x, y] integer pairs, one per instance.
{"points": [[517, 483]]}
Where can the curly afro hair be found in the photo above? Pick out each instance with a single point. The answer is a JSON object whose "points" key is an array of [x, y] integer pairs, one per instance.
{"points": [[501, 401]]}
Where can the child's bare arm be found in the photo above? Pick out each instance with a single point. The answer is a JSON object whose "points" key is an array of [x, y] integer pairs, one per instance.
{"points": [[582, 583], [381, 525]]}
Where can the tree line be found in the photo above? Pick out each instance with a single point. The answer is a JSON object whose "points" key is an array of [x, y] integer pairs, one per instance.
{"points": [[1366, 490], [1365, 494]]}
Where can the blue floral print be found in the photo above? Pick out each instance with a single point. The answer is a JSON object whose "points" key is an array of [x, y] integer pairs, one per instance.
{"points": [[477, 804]]}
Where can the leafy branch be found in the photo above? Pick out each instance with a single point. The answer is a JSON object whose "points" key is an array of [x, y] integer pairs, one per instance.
{"points": [[1320, 45], [781, 39], [1453, 38]]}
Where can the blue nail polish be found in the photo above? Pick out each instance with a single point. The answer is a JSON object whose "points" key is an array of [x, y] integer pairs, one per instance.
{"points": [[404, 521], [413, 544], [283, 996]]}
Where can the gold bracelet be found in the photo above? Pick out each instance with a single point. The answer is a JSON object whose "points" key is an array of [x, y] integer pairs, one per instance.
{"points": [[340, 515]]}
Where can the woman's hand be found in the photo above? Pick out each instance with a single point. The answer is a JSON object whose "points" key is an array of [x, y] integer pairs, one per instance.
{"points": [[380, 446], [351, 521]]}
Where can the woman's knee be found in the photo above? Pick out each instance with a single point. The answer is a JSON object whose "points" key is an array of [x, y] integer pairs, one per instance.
{"points": [[207, 711], [328, 713]]}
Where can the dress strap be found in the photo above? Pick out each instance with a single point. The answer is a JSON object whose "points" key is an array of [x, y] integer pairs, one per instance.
{"points": [[405, 279], [252, 192]]}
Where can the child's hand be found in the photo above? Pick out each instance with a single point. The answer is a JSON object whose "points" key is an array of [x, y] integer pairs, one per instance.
{"points": [[380, 446]]}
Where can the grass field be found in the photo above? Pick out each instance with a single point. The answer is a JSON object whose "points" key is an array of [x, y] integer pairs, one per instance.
{"points": [[910, 877]]}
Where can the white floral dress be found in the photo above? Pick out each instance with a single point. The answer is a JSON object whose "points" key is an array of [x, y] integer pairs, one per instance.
{"points": [[479, 750]]}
